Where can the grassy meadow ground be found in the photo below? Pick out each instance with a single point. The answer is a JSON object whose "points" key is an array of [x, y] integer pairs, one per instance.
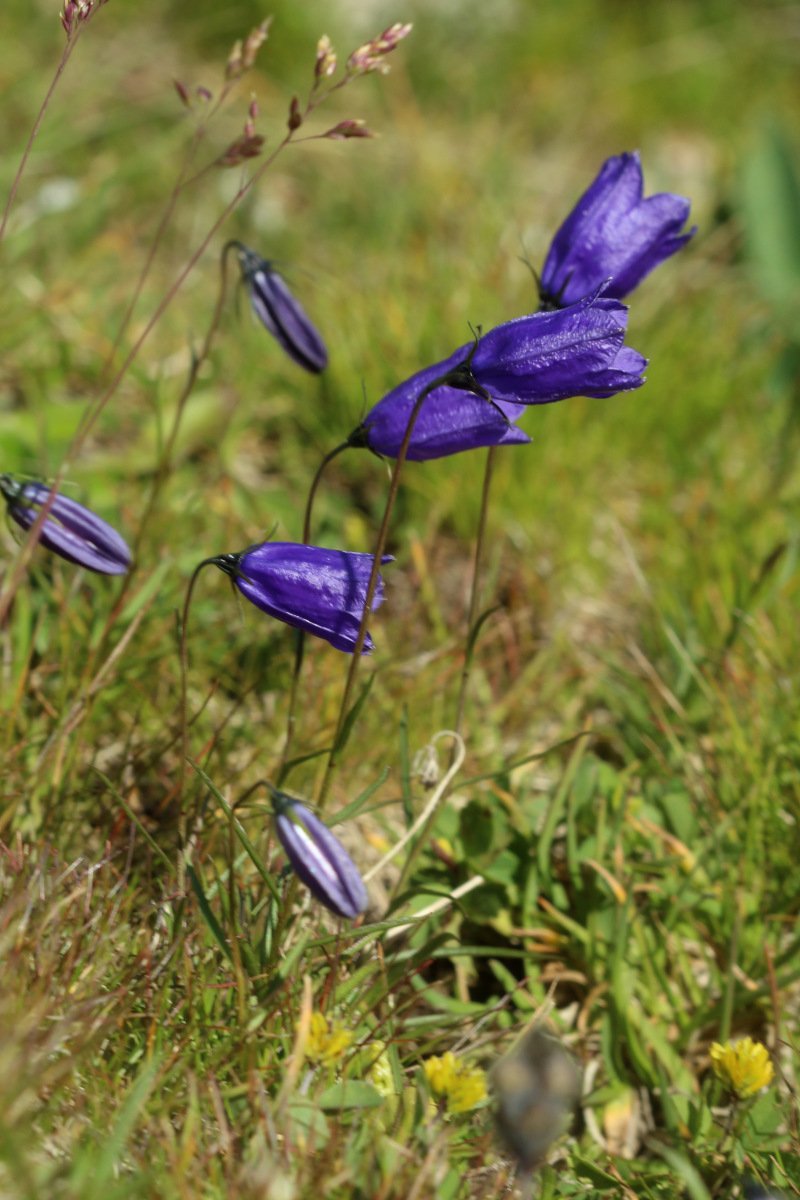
{"points": [[630, 794]]}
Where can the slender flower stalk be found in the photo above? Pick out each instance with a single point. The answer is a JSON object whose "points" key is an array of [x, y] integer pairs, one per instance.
{"points": [[66, 54], [155, 243], [163, 467], [474, 592], [300, 638], [458, 376]]}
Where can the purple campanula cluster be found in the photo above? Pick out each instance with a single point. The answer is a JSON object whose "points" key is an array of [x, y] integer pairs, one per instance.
{"points": [[318, 858], [69, 529], [319, 591], [613, 236], [538, 359], [574, 346], [279, 311]]}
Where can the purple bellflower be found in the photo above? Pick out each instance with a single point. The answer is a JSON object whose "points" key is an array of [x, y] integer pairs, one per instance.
{"points": [[278, 310], [614, 234], [547, 356], [69, 529], [318, 858], [319, 591]]}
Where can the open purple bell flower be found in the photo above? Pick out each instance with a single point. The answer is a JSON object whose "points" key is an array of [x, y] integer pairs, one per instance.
{"points": [[537, 359], [279, 311], [614, 234], [69, 529], [318, 858], [317, 590]]}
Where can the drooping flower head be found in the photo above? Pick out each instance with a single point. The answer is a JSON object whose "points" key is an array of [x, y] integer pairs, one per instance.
{"points": [[614, 234], [318, 858], [317, 590], [279, 311], [537, 359], [69, 529]]}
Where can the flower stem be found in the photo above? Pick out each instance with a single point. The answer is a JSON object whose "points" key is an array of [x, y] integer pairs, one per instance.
{"points": [[153, 250], [94, 410], [312, 491], [65, 57], [163, 467], [300, 641], [475, 591], [184, 667], [180, 185], [383, 533]]}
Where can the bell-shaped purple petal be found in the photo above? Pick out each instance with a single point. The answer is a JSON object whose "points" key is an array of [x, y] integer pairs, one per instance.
{"points": [[547, 356], [614, 234], [575, 351], [318, 858], [317, 590], [449, 421], [69, 529], [279, 311]]}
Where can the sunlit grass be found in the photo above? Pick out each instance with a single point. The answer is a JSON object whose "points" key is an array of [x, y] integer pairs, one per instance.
{"points": [[629, 798]]}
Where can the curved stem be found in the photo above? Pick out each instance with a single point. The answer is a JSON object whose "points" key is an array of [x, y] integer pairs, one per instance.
{"points": [[94, 410], [184, 669], [162, 470], [312, 491], [180, 185], [300, 640], [153, 250], [65, 57], [372, 585], [426, 816], [475, 591]]}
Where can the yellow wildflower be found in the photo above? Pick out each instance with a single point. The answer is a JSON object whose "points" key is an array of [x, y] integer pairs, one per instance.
{"points": [[380, 1070], [327, 1040], [744, 1066], [459, 1085]]}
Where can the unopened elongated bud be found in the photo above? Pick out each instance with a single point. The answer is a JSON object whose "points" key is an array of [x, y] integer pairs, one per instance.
{"points": [[69, 529], [318, 858], [280, 312]]}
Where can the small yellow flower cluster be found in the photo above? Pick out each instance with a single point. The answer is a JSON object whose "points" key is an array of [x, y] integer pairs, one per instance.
{"points": [[743, 1066], [327, 1040], [459, 1085]]}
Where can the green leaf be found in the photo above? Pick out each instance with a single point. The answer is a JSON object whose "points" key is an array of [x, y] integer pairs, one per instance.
{"points": [[771, 210], [350, 1093]]}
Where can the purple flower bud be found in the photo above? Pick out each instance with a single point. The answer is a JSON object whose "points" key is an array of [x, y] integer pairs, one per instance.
{"points": [[277, 309], [318, 858], [548, 356], [69, 529], [613, 233], [317, 590]]}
